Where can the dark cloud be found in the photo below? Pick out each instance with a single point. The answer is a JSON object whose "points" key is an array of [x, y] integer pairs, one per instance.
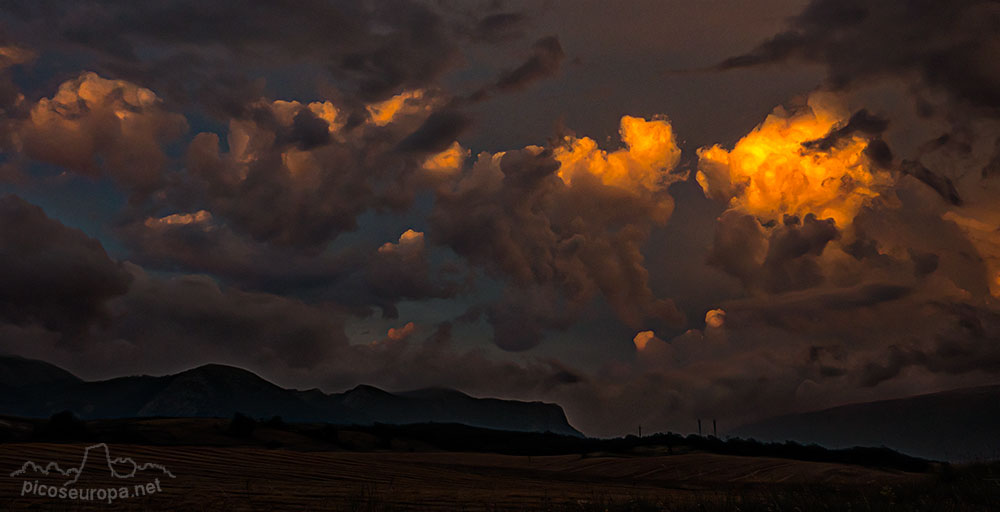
{"points": [[415, 356], [801, 310], [941, 184], [522, 317], [115, 319], [829, 359], [274, 206], [556, 245], [879, 153], [862, 122], [992, 168], [290, 178], [403, 270], [893, 361], [776, 259], [924, 263], [62, 280], [222, 323], [236, 250], [375, 50], [500, 26], [13, 106], [950, 46], [739, 246], [53, 275], [912, 242], [790, 262], [437, 132], [864, 296], [970, 343], [199, 243], [309, 131], [358, 278], [546, 55]]}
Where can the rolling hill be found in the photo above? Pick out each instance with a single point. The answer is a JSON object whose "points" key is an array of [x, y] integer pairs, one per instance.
{"points": [[957, 425]]}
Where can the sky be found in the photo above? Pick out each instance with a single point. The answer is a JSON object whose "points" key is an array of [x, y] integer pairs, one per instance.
{"points": [[648, 212]]}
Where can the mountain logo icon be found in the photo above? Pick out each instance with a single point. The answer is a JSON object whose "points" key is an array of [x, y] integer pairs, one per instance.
{"points": [[119, 467], [97, 458]]}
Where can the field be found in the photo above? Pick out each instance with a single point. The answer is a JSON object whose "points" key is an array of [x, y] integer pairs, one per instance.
{"points": [[242, 465], [246, 478]]}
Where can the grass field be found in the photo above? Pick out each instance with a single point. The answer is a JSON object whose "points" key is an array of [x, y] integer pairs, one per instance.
{"points": [[240, 464], [249, 478]]}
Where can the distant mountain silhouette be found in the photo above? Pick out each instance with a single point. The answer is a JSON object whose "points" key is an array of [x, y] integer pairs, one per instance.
{"points": [[37, 389], [957, 425], [18, 372]]}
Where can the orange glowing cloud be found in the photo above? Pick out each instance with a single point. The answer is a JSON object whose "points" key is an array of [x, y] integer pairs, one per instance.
{"points": [[645, 163], [448, 161], [285, 112], [642, 339], [409, 242], [715, 318], [92, 125], [180, 219], [401, 333], [769, 173], [93, 91], [569, 220], [405, 103]]}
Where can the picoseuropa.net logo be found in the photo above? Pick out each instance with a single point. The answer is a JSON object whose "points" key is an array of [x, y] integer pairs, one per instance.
{"points": [[52, 481]]}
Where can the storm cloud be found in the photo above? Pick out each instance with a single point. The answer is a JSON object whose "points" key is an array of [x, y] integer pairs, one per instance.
{"points": [[316, 191]]}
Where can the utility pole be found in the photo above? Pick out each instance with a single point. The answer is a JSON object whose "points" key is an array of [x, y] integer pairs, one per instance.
{"points": [[640, 431], [715, 431], [699, 426]]}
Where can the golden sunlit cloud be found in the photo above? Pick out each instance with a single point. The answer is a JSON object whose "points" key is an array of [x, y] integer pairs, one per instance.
{"points": [[384, 112], [94, 125], [285, 112], [180, 219], [447, 161], [93, 91], [642, 339], [409, 241], [769, 173], [645, 163], [575, 225], [715, 318]]}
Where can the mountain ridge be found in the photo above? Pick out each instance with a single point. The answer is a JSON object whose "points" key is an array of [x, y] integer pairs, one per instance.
{"points": [[216, 390]]}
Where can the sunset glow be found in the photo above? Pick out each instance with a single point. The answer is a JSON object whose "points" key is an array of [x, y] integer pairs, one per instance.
{"points": [[415, 227], [771, 172]]}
